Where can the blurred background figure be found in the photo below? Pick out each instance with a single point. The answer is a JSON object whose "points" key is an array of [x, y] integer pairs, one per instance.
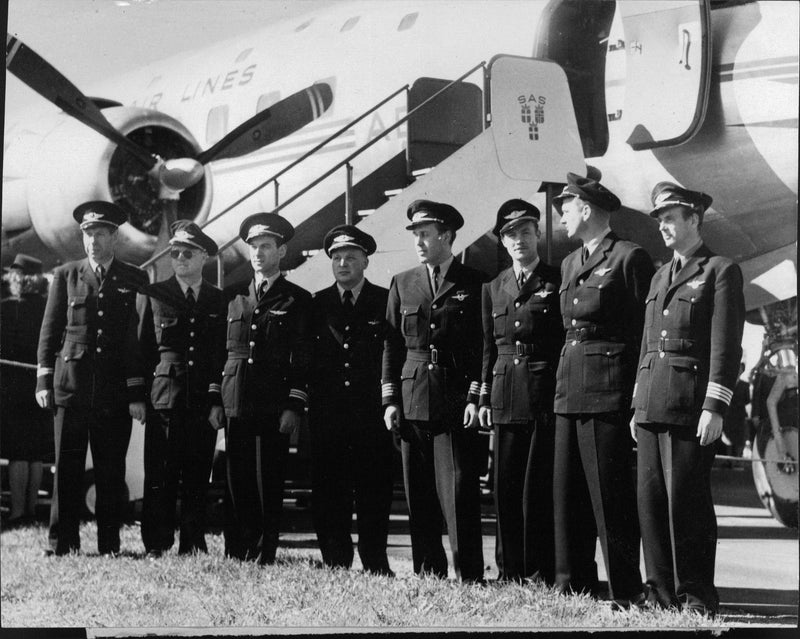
{"points": [[27, 430]]}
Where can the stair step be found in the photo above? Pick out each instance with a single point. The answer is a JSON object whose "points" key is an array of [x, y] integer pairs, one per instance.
{"points": [[392, 192], [420, 172], [365, 212]]}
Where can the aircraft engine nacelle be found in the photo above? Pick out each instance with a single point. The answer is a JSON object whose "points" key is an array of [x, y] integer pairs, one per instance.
{"points": [[74, 164]]}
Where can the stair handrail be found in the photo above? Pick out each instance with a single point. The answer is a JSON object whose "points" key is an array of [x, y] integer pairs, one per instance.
{"points": [[359, 151], [274, 178]]}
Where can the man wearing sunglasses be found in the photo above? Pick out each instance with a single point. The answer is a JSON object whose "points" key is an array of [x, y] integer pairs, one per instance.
{"points": [[264, 388], [183, 339]]}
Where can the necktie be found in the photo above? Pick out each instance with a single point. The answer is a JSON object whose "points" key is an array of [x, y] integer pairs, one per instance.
{"points": [[262, 289], [347, 301], [435, 282], [676, 267], [521, 279], [190, 299], [100, 272], [584, 255]]}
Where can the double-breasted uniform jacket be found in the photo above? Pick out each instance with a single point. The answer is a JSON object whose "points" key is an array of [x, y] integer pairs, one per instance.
{"points": [[691, 348], [346, 368], [432, 353], [268, 351], [88, 347], [602, 305], [522, 339], [184, 344]]}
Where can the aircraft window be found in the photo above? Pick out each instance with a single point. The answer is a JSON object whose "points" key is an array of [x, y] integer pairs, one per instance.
{"points": [[266, 100], [407, 22], [217, 124], [349, 24], [304, 25], [244, 54]]}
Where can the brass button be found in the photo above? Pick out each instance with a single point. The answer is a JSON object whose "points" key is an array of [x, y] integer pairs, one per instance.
{"points": [[347, 328], [574, 342], [666, 312], [346, 346], [574, 322], [575, 301], [663, 333], [100, 313], [430, 367], [101, 295], [191, 320], [431, 347], [347, 382], [191, 333], [256, 312], [253, 327], [347, 364], [191, 349], [516, 304], [252, 343], [191, 363], [517, 323], [435, 306], [516, 361], [99, 331], [661, 354], [99, 350], [433, 325], [518, 342], [249, 360]]}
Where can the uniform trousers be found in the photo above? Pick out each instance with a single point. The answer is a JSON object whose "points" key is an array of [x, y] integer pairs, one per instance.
{"points": [[178, 450], [524, 499], [352, 463], [256, 453], [593, 473], [676, 512], [441, 476], [108, 434]]}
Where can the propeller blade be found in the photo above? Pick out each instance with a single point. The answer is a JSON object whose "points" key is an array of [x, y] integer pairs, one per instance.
{"points": [[47, 81], [274, 123]]}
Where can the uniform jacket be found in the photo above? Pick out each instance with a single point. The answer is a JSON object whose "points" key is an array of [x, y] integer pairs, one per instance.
{"points": [[691, 349], [432, 353], [20, 322], [88, 348], [268, 351], [346, 366], [184, 346], [602, 305], [522, 339]]}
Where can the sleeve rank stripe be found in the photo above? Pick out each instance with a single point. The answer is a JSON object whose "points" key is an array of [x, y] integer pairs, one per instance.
{"points": [[717, 391], [136, 381], [42, 371], [298, 394]]}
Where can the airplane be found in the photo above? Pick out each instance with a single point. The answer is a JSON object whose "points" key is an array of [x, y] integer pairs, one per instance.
{"points": [[351, 111]]}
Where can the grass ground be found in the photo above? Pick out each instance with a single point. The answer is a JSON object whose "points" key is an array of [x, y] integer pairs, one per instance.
{"points": [[133, 591]]}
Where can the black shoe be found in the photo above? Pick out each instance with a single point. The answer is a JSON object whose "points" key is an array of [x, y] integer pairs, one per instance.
{"points": [[154, 553], [639, 602], [699, 609]]}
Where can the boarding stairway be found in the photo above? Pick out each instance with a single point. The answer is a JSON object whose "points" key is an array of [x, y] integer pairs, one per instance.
{"points": [[532, 142]]}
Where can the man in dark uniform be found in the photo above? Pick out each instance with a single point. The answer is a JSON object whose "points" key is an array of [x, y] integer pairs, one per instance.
{"points": [[183, 339], [89, 365], [602, 294], [688, 366], [264, 388], [522, 338], [431, 367], [351, 450]]}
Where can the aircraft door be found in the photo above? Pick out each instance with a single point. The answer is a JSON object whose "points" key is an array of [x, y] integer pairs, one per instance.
{"points": [[668, 64]]}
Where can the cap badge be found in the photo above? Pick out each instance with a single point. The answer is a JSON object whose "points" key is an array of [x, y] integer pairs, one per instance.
{"points": [[662, 197], [92, 216], [515, 214], [258, 229], [420, 215], [695, 284], [182, 236], [344, 238]]}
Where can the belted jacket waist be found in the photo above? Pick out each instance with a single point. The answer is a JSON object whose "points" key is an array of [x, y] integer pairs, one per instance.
{"points": [[671, 345], [519, 349], [591, 332], [434, 356]]}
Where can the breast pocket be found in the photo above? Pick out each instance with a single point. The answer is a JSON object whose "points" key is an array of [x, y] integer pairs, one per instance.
{"points": [[684, 310], [237, 328], [166, 384], [77, 311], [408, 382], [603, 367], [650, 310], [500, 319], [498, 386], [166, 328], [410, 320], [71, 371]]}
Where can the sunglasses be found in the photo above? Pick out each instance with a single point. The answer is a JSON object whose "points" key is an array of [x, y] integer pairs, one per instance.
{"points": [[186, 253]]}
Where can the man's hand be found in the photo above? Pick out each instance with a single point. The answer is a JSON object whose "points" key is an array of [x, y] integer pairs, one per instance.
{"points": [[45, 399], [391, 417], [290, 420], [485, 417], [216, 417], [709, 428], [137, 411], [633, 428], [471, 415]]}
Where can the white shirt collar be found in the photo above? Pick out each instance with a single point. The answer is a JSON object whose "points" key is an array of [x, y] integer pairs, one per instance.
{"points": [[592, 244], [443, 267], [185, 286], [528, 270], [259, 278], [687, 254], [105, 265], [356, 290]]}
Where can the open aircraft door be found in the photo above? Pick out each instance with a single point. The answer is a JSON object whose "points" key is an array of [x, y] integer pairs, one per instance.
{"points": [[668, 65]]}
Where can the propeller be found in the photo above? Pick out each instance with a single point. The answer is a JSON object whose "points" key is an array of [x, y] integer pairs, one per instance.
{"points": [[173, 175]]}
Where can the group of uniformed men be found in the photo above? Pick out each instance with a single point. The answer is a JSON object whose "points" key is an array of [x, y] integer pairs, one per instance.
{"points": [[555, 362]]}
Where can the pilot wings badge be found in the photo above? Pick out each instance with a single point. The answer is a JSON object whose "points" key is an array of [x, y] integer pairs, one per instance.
{"points": [[124, 290], [601, 271], [543, 293], [277, 312], [695, 284], [460, 296]]}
